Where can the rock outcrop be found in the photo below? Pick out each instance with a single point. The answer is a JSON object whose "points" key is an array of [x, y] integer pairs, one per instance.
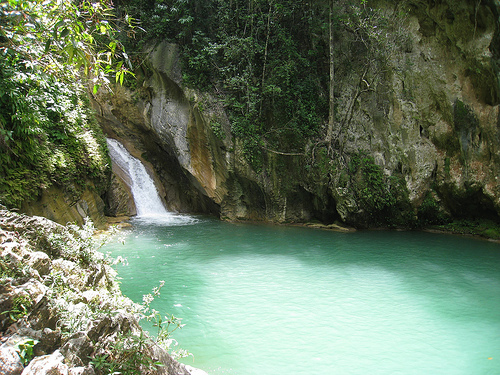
{"points": [[158, 125], [119, 197], [56, 205], [62, 309]]}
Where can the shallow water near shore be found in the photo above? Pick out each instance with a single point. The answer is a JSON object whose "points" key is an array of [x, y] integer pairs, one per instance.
{"points": [[260, 299]]}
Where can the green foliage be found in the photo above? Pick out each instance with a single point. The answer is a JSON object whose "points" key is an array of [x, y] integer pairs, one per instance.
{"points": [[79, 244], [20, 307], [263, 57], [129, 353], [126, 356], [25, 350], [268, 60], [8, 269], [49, 134], [165, 326], [479, 227], [430, 212], [66, 37], [252, 150], [372, 189], [217, 129], [323, 162], [87, 247], [384, 198]]}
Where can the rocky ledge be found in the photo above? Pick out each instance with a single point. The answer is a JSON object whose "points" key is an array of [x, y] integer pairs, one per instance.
{"points": [[61, 309]]}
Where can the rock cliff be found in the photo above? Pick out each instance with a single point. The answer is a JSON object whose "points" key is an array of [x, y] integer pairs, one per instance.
{"points": [[416, 136]]}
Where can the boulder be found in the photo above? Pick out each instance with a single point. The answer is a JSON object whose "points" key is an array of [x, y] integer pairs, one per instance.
{"points": [[52, 364], [120, 201], [88, 370], [75, 296], [78, 349], [10, 363], [48, 340]]}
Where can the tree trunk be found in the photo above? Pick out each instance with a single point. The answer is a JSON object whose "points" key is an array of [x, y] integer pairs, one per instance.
{"points": [[265, 53], [331, 114]]}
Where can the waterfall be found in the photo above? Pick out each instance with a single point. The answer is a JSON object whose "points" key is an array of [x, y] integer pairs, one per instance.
{"points": [[147, 200]]}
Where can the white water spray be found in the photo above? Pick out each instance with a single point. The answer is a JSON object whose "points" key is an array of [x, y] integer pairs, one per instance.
{"points": [[146, 197], [147, 201]]}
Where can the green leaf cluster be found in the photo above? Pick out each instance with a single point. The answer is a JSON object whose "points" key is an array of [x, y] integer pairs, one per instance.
{"points": [[20, 307], [65, 38], [25, 350], [430, 212], [126, 355], [479, 227], [269, 61], [47, 132]]}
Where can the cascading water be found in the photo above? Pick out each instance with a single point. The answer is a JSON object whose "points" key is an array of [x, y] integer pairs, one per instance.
{"points": [[146, 197], [147, 201]]}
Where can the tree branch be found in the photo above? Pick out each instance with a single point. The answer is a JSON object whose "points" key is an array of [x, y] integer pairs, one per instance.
{"points": [[284, 153]]}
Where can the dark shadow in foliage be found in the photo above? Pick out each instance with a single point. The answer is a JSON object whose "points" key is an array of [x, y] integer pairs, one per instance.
{"points": [[383, 199]]}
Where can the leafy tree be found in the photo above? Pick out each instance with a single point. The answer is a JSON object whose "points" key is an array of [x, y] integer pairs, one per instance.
{"points": [[280, 66], [47, 134], [272, 61]]}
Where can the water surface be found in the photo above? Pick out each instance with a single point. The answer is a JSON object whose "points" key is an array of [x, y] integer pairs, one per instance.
{"points": [[267, 300]]}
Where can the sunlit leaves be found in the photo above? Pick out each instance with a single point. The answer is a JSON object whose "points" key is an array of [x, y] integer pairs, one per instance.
{"points": [[64, 37]]}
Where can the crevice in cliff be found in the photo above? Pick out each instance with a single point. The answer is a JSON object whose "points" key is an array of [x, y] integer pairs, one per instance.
{"points": [[473, 203]]}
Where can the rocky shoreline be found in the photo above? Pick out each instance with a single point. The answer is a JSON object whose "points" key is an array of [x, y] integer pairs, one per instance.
{"points": [[61, 308]]}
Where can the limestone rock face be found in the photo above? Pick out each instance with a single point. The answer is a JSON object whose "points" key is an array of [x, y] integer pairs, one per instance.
{"points": [[443, 113], [120, 199], [427, 114], [55, 205], [40, 261], [159, 125], [52, 364]]}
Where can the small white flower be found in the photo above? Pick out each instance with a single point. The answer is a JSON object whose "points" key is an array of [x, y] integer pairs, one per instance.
{"points": [[147, 299]]}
